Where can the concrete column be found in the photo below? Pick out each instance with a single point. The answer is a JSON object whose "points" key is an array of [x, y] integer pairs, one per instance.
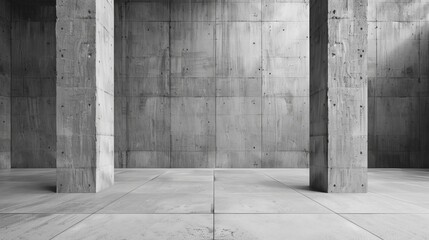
{"points": [[5, 80], [338, 95], [85, 95]]}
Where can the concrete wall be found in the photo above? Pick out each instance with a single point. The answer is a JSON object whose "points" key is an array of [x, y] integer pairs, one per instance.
{"points": [[33, 84], [398, 70], [5, 78], [211, 83], [215, 83]]}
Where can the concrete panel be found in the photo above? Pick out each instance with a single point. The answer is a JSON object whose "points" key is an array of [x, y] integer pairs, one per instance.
{"points": [[424, 125], [5, 85], [145, 86], [33, 132], [424, 57], [287, 11], [147, 11], [398, 11], [238, 49], [238, 10], [142, 63], [192, 49], [402, 134], [238, 132], [33, 11], [285, 39], [285, 124], [238, 87], [193, 159], [399, 109], [147, 159], [5, 12], [152, 66], [238, 159], [285, 87], [120, 121], [401, 87], [193, 86], [193, 124], [285, 132], [297, 67], [424, 16], [393, 159], [5, 59], [193, 132], [148, 113], [285, 43], [400, 40], [193, 10], [285, 159], [146, 39], [398, 49], [33, 88], [37, 41], [5, 133]]}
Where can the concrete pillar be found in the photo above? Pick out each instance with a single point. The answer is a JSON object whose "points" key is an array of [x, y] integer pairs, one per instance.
{"points": [[5, 80], [338, 95], [85, 95]]}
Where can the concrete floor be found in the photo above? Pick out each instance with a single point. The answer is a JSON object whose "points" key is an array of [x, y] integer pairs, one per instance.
{"points": [[248, 204]]}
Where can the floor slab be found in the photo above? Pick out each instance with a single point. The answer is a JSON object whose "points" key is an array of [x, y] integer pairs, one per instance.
{"points": [[394, 226], [287, 226], [266, 203], [198, 203], [36, 226], [364, 203], [162, 203], [143, 226]]}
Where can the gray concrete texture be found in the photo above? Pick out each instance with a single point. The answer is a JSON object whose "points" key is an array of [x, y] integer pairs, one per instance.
{"points": [[171, 83], [221, 204], [338, 95], [33, 86], [398, 75], [5, 80], [211, 84], [85, 104]]}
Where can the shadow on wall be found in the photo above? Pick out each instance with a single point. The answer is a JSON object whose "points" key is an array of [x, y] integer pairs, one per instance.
{"points": [[33, 85], [398, 84]]}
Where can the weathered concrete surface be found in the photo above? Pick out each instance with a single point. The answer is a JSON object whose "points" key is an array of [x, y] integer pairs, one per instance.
{"points": [[398, 83], [285, 84], [211, 83], [85, 90], [142, 84], [338, 95], [33, 84], [5, 80]]}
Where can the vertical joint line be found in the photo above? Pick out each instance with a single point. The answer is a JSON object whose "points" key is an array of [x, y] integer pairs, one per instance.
{"points": [[169, 77], [262, 90], [215, 92], [10, 82]]}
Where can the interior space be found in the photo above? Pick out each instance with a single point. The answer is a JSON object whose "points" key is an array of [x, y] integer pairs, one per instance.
{"points": [[214, 119]]}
